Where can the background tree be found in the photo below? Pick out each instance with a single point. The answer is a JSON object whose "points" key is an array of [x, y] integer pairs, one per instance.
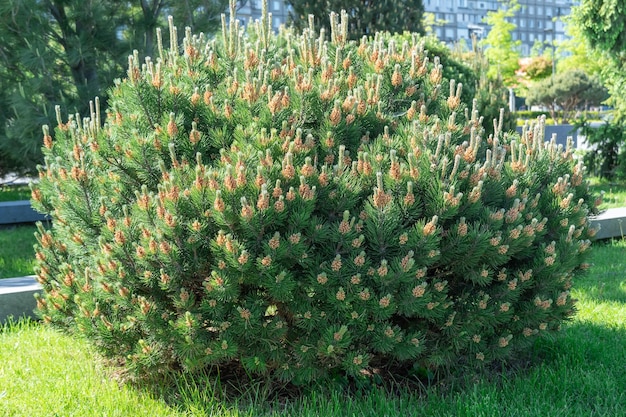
{"points": [[148, 15], [575, 51], [366, 16], [53, 52], [602, 25], [501, 50], [66, 52], [569, 91]]}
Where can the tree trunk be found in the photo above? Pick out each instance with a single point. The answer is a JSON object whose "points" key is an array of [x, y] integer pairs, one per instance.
{"points": [[84, 68], [150, 11]]}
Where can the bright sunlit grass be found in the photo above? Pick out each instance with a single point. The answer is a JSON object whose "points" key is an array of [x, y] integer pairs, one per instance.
{"points": [[14, 192], [614, 194]]}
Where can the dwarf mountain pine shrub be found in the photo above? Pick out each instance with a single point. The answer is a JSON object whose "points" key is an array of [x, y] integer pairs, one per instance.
{"points": [[296, 206]]}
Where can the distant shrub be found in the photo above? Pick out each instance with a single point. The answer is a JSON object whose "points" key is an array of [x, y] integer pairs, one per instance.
{"points": [[299, 208], [533, 114]]}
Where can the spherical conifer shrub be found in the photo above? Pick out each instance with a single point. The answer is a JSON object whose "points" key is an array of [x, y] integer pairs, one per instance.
{"points": [[296, 207]]}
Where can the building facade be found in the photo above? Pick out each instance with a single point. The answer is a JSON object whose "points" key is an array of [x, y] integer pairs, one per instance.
{"points": [[251, 10], [536, 21]]}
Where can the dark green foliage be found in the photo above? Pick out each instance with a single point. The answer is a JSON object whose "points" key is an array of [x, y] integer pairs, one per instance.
{"points": [[52, 52], [607, 159], [366, 17], [501, 50], [67, 52], [302, 209]]}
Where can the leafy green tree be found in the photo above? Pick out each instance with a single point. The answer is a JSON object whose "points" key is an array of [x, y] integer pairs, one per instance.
{"points": [[603, 22], [575, 51], [603, 25], [501, 50], [366, 16], [569, 91]]}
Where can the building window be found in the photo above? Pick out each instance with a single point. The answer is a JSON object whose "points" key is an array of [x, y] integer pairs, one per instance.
{"points": [[524, 50], [276, 5]]}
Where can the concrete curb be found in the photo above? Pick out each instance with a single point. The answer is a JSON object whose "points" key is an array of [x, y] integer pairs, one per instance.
{"points": [[17, 297], [18, 212], [610, 222]]}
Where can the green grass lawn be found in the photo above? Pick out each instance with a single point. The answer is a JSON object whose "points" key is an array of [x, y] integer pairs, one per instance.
{"points": [[580, 373], [614, 193], [17, 256], [16, 242], [14, 192]]}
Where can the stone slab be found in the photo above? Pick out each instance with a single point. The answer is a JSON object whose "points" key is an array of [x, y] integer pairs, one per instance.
{"points": [[612, 223], [18, 212], [17, 297]]}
